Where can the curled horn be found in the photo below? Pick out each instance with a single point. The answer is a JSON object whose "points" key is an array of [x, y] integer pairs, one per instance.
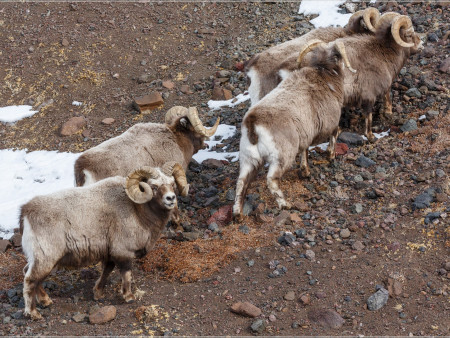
{"points": [[198, 125], [400, 22], [137, 190], [341, 48], [174, 113], [371, 16], [176, 170], [386, 17], [307, 48]]}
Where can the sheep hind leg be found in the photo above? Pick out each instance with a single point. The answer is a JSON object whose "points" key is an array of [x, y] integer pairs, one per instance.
{"points": [[99, 287], [247, 175], [304, 168], [42, 296], [273, 180], [387, 104], [31, 284], [331, 149], [125, 272]]}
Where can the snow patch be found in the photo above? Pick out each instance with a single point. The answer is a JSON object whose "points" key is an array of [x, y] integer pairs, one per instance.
{"points": [[327, 10], [13, 114], [214, 105], [223, 132], [28, 174], [77, 103]]}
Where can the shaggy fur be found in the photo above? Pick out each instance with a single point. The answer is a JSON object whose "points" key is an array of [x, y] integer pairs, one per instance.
{"points": [[87, 225], [306, 107]]}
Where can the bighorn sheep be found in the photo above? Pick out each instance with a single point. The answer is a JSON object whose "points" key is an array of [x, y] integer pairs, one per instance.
{"points": [[152, 144], [263, 69], [378, 60], [112, 221], [303, 109]]}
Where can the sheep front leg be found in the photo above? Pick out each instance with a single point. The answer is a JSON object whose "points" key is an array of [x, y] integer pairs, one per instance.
{"points": [[304, 168], [99, 287], [331, 149], [125, 272]]}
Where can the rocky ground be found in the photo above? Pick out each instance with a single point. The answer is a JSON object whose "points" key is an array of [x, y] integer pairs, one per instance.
{"points": [[365, 249]]}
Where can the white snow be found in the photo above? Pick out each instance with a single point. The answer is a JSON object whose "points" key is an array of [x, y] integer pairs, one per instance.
{"points": [[25, 175], [77, 103], [13, 114], [422, 117], [214, 105], [327, 10], [223, 132], [379, 135]]}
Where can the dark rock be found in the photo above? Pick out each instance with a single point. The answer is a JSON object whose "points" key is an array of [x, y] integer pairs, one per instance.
{"points": [[423, 201], [230, 195], [378, 299], [286, 239], [213, 227], [244, 229], [364, 162], [409, 125], [326, 318], [300, 233], [351, 139], [431, 216], [432, 37], [413, 92], [16, 240]]}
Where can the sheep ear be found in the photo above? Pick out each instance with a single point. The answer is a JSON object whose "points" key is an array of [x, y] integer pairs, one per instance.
{"points": [[184, 122]]}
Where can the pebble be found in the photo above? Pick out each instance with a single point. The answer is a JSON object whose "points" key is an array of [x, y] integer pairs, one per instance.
{"points": [[250, 263], [357, 208], [72, 126], [258, 326], [246, 309], [378, 299], [326, 318], [345, 233], [423, 201], [103, 315], [310, 254], [289, 296], [364, 162], [358, 246], [409, 125], [286, 239], [440, 173], [213, 227], [305, 299], [413, 92]]}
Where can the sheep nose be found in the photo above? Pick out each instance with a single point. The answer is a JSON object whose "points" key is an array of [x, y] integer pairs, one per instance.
{"points": [[170, 198]]}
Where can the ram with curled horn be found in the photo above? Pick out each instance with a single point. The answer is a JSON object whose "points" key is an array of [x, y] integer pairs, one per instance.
{"points": [[266, 69], [151, 144], [112, 221], [378, 59]]}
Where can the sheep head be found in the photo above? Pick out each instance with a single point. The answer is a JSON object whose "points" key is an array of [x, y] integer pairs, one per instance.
{"points": [[186, 120], [151, 184], [363, 21], [338, 45], [402, 30]]}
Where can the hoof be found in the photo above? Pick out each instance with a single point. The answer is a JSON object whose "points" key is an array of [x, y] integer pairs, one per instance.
{"points": [[46, 302], [304, 173], [98, 294], [129, 299], [371, 138], [284, 205], [34, 315]]}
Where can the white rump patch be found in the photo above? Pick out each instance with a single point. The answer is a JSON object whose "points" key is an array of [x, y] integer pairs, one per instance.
{"points": [[88, 178], [284, 74], [255, 86], [27, 243]]}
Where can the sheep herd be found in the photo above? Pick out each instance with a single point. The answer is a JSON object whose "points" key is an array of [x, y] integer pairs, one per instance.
{"points": [[126, 186]]}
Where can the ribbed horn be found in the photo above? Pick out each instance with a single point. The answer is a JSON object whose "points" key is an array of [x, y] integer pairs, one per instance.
{"points": [[176, 170], [400, 22], [136, 188], [198, 125], [175, 113], [307, 48], [341, 48], [371, 16], [386, 17]]}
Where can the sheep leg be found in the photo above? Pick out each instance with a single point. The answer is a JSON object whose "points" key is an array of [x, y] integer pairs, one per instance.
{"points": [[99, 287], [31, 284], [387, 103], [368, 131], [125, 272], [304, 168], [331, 149], [273, 179], [246, 176], [42, 296]]}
